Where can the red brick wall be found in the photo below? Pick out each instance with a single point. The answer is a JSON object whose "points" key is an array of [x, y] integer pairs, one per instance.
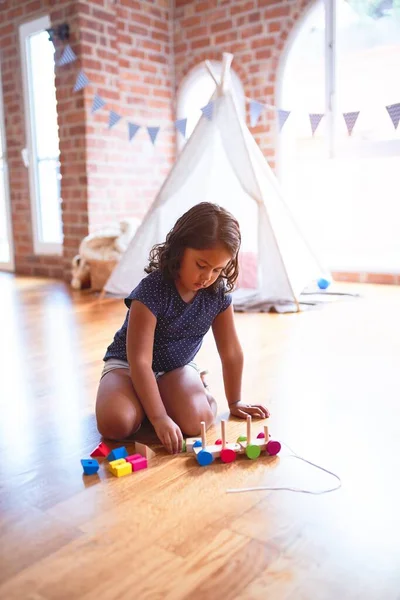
{"points": [[128, 57], [255, 31], [125, 48]]}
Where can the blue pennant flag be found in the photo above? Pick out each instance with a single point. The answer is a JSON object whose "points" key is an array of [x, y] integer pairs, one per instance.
{"points": [[153, 133], [68, 56], [113, 119], [255, 112], [97, 103], [283, 116], [81, 81], [180, 125], [208, 110], [394, 113], [350, 119], [132, 129], [315, 120]]}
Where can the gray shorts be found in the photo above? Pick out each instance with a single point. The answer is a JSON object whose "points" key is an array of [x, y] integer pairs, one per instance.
{"points": [[116, 363]]}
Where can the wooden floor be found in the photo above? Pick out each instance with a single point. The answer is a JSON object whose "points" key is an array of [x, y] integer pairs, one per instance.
{"points": [[331, 380]]}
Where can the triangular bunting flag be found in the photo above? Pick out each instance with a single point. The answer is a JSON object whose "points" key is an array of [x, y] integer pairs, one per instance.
{"points": [[394, 113], [68, 56], [208, 110], [113, 119], [283, 116], [315, 120], [97, 103], [255, 112], [153, 133], [81, 81], [180, 125], [132, 129], [350, 120]]}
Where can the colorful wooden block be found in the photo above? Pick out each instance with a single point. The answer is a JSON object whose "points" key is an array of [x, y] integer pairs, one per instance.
{"points": [[253, 451], [139, 463], [121, 468], [118, 461], [117, 453], [183, 445], [144, 450], [190, 443], [101, 450], [90, 466], [204, 458], [133, 457], [228, 455], [273, 447]]}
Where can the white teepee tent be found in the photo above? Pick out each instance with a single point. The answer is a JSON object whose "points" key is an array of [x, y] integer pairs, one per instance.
{"points": [[222, 163]]}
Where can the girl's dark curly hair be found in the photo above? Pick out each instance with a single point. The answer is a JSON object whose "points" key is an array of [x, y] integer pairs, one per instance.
{"points": [[202, 227]]}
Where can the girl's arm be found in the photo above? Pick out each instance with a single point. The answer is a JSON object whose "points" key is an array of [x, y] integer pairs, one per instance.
{"points": [[231, 355], [139, 348]]}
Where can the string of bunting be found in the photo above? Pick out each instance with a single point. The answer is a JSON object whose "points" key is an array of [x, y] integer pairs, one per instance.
{"points": [[256, 108]]}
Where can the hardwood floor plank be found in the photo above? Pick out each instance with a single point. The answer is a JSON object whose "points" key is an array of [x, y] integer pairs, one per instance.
{"points": [[330, 379]]}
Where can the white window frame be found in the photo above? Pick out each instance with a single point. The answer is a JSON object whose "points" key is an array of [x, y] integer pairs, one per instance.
{"points": [[355, 148], [25, 31], [10, 265]]}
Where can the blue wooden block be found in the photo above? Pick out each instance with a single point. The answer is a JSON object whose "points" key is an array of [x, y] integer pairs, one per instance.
{"points": [[117, 453], [90, 466], [197, 444], [204, 458]]}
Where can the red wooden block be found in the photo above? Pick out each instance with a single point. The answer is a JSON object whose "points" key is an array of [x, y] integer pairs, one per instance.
{"points": [[218, 443], [101, 450], [228, 455], [261, 435]]}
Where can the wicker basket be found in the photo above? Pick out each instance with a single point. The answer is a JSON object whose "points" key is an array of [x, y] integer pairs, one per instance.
{"points": [[100, 271]]}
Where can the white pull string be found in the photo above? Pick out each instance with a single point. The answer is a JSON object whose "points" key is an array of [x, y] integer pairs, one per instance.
{"points": [[293, 489]]}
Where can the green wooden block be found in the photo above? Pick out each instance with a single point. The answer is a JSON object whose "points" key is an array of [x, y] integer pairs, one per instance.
{"points": [[252, 451]]}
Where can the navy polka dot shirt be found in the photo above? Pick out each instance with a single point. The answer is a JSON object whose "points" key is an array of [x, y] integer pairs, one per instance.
{"points": [[180, 326]]}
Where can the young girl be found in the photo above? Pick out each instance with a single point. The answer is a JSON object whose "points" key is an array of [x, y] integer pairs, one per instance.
{"points": [[149, 369]]}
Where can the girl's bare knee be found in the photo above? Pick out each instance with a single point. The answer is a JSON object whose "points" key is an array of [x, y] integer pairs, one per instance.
{"points": [[191, 424], [117, 427]]}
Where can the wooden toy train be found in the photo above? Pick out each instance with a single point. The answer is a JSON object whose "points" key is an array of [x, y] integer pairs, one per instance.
{"points": [[252, 448]]}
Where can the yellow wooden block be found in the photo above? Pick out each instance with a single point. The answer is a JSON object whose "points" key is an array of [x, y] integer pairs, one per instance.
{"points": [[118, 461], [121, 469]]}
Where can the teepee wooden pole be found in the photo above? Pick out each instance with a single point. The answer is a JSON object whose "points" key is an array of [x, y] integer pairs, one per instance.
{"points": [[211, 72]]}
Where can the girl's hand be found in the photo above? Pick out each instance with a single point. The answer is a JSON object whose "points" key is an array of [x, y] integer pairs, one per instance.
{"points": [[168, 433], [241, 410]]}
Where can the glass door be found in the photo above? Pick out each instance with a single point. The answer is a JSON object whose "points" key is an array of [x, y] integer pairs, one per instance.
{"points": [[341, 180], [6, 245]]}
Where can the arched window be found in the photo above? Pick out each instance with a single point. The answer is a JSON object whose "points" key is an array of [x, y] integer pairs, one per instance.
{"points": [[195, 92], [343, 188]]}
